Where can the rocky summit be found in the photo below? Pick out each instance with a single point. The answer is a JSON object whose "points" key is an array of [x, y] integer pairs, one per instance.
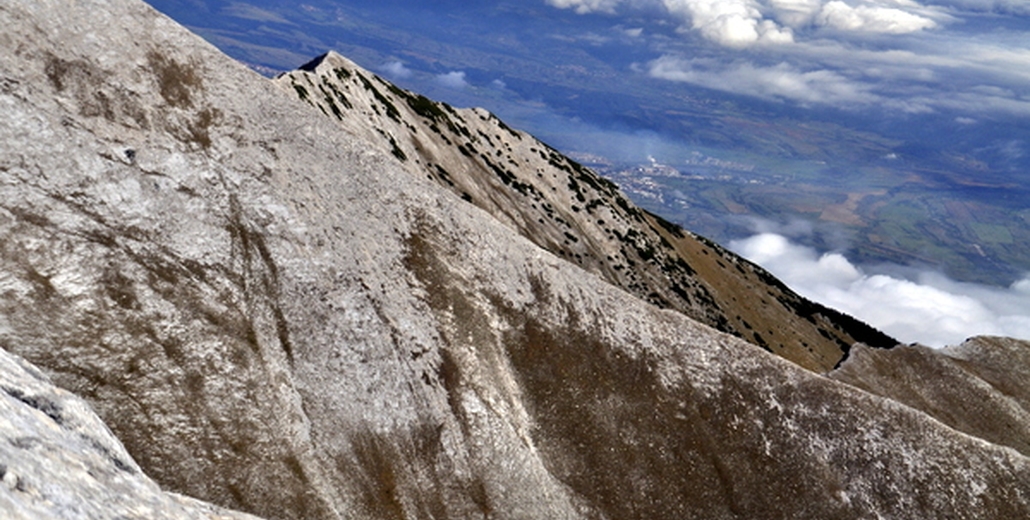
{"points": [[300, 312]]}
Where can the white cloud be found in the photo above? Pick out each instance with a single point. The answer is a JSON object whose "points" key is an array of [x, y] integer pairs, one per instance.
{"points": [[743, 23], [871, 18], [453, 80], [731, 23], [781, 81], [795, 13], [929, 309], [587, 6], [395, 70], [971, 78]]}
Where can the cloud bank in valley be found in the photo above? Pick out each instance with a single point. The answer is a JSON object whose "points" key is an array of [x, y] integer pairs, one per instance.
{"points": [[927, 307], [908, 56]]}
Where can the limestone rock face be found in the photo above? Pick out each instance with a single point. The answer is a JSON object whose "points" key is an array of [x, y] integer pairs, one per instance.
{"points": [[276, 316], [58, 459], [575, 214]]}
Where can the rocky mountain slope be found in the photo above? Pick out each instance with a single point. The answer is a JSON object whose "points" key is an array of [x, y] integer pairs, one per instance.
{"points": [[576, 214], [58, 460], [274, 315], [977, 387]]}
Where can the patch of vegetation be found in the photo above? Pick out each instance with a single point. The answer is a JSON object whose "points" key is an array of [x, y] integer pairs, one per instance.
{"points": [[632, 211], [200, 128], [336, 92], [176, 81], [426, 108], [334, 108], [507, 128], [391, 109], [444, 175], [673, 229], [396, 150], [992, 233]]}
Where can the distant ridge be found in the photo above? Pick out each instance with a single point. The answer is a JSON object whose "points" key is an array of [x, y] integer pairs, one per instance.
{"points": [[578, 215]]}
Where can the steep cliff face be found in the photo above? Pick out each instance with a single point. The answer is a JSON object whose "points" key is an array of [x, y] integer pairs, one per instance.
{"points": [[576, 214], [276, 316], [58, 460]]}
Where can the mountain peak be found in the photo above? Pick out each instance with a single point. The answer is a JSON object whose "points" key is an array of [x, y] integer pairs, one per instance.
{"points": [[330, 59]]}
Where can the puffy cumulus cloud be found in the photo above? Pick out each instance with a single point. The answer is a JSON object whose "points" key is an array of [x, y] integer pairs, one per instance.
{"points": [[743, 23], [929, 308], [732, 23], [395, 70], [587, 6], [781, 81], [453, 80]]}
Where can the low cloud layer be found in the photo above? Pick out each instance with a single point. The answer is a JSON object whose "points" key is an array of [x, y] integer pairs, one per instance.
{"points": [[927, 307], [777, 82]]}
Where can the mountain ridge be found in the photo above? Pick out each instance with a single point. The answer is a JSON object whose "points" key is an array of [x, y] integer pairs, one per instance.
{"points": [[274, 316], [576, 214]]}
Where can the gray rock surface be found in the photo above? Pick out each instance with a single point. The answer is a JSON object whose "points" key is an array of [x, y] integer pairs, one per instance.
{"points": [[979, 387], [58, 460], [273, 315]]}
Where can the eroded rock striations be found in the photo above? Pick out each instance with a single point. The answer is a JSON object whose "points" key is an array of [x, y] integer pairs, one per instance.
{"points": [[276, 316], [576, 214]]}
